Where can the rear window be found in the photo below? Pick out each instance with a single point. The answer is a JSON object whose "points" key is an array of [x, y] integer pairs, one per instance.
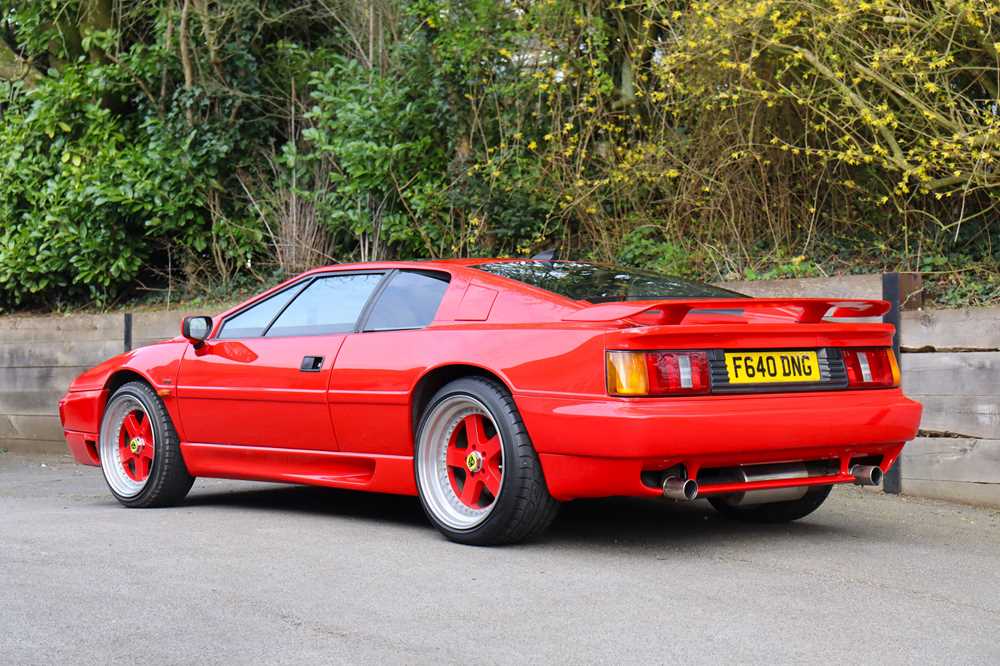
{"points": [[410, 300], [582, 281]]}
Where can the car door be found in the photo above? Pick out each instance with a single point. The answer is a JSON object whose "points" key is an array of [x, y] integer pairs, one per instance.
{"points": [[262, 381]]}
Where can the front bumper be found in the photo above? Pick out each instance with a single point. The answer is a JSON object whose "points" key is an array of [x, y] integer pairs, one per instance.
{"points": [[82, 446], [601, 447], [80, 414]]}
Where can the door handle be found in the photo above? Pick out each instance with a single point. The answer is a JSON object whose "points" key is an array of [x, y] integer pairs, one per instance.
{"points": [[311, 364]]}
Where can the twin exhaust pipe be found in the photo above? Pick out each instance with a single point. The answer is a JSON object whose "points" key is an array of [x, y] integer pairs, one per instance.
{"points": [[676, 488], [685, 490], [866, 475]]}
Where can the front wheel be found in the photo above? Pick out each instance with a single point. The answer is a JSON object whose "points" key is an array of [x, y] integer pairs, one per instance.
{"points": [[773, 512], [478, 476], [139, 450]]}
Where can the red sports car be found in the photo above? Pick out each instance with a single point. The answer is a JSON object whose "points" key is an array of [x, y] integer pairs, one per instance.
{"points": [[496, 389]]}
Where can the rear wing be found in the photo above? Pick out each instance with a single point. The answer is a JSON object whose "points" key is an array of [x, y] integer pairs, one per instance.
{"points": [[673, 312]]}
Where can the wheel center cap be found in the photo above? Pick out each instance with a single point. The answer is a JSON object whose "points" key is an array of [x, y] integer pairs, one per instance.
{"points": [[474, 461], [135, 444]]}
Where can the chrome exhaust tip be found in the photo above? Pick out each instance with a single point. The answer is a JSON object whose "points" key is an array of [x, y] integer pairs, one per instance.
{"points": [[866, 475], [676, 488]]}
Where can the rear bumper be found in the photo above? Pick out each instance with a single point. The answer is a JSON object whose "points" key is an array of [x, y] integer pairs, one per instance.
{"points": [[600, 447]]}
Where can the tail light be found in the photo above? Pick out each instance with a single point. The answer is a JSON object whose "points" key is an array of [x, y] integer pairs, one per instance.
{"points": [[871, 368], [657, 373]]}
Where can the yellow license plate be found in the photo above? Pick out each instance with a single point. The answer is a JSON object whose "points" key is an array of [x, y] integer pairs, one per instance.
{"points": [[772, 367]]}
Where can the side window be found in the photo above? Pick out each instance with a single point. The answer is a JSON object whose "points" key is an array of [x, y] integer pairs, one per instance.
{"points": [[410, 300], [251, 322], [328, 305]]}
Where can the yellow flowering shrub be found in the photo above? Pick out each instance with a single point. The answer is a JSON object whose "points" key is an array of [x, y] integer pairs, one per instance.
{"points": [[743, 128]]}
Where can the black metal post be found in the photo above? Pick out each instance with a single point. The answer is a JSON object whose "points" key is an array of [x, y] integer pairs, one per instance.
{"points": [[893, 482], [127, 333]]}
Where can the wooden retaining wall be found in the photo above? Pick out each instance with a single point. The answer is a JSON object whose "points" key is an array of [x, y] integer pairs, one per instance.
{"points": [[39, 357], [950, 361], [951, 364]]}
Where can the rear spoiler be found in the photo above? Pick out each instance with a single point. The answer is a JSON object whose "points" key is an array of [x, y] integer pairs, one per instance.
{"points": [[672, 312]]}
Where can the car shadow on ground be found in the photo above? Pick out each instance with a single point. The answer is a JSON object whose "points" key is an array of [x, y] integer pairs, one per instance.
{"points": [[594, 521], [623, 520], [331, 502]]}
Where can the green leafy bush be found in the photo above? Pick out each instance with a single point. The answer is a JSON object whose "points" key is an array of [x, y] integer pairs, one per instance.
{"points": [[87, 198], [219, 144]]}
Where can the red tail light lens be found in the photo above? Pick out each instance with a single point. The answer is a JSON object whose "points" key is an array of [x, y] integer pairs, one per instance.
{"points": [[658, 373], [677, 372], [871, 368]]}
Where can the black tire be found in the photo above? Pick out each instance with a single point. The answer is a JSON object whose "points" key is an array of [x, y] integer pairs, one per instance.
{"points": [[523, 509], [775, 512], [169, 480]]}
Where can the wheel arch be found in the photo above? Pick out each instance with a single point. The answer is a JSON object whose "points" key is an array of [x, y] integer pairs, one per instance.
{"points": [[432, 381], [123, 376]]}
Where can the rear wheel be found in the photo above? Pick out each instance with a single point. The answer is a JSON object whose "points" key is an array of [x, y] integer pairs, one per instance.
{"points": [[139, 450], [478, 476], [774, 512]]}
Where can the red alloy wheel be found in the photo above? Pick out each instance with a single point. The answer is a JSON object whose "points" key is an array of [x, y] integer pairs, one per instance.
{"points": [[138, 449], [478, 478], [474, 462], [136, 445]]}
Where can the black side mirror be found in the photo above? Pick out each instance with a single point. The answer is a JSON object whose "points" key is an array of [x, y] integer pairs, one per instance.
{"points": [[196, 329]]}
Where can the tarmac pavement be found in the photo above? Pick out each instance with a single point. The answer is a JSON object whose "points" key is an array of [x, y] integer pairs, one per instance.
{"points": [[264, 573]]}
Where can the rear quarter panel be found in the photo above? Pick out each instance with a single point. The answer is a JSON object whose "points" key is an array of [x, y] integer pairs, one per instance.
{"points": [[373, 381]]}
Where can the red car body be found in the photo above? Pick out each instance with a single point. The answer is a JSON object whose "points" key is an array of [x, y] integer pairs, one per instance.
{"points": [[243, 409]]}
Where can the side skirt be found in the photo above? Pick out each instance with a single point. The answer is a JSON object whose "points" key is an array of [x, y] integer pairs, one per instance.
{"points": [[335, 469]]}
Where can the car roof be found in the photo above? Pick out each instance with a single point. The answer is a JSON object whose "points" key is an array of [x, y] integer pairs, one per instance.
{"points": [[418, 263], [448, 265], [453, 266]]}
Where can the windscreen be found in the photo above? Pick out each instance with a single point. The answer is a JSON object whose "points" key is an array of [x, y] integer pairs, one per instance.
{"points": [[583, 281]]}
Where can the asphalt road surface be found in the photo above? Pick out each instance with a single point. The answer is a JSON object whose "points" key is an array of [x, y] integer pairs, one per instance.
{"points": [[250, 573]]}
